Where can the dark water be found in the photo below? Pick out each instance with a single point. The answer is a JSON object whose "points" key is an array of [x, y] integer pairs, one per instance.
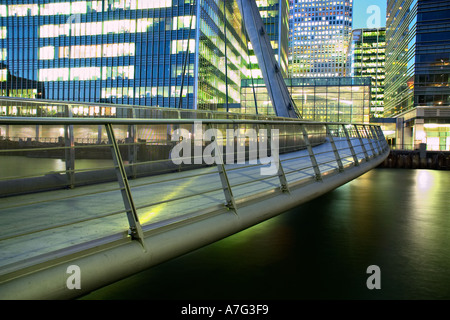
{"points": [[396, 219]]}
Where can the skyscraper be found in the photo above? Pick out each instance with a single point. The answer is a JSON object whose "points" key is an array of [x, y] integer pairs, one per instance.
{"points": [[368, 57], [417, 84], [319, 35], [140, 52]]}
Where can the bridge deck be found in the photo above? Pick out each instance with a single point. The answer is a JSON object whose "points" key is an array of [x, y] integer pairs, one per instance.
{"points": [[39, 225]]}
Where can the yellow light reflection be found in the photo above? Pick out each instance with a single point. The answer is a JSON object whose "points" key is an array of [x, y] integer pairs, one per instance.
{"points": [[158, 209]]}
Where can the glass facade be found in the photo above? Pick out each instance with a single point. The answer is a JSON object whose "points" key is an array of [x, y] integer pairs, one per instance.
{"points": [[319, 35], [417, 86], [334, 99], [368, 54], [139, 52], [400, 56]]}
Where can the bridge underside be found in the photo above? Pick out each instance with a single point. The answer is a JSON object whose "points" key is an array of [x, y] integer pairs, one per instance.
{"points": [[41, 238]]}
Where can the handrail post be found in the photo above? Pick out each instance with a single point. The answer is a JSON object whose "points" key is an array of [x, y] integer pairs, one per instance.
{"points": [[132, 149], [226, 186], [350, 145], [69, 154], [370, 141], [381, 138], [335, 150], [284, 187], [377, 139], [366, 155], [318, 175], [135, 230]]}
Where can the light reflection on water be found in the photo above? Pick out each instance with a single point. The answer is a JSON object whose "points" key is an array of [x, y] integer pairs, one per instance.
{"points": [[396, 219]]}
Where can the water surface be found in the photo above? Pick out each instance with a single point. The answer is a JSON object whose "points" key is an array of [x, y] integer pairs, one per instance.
{"points": [[396, 219]]}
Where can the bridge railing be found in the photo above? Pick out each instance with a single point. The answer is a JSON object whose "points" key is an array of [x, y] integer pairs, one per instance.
{"points": [[38, 108], [136, 152]]}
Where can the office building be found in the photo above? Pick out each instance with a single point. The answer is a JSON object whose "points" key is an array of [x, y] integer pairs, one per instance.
{"points": [[417, 89], [149, 53], [11, 86], [336, 99], [368, 57], [319, 35]]}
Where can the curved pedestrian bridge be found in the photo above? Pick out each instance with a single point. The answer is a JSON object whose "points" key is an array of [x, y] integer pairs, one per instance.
{"points": [[141, 211]]}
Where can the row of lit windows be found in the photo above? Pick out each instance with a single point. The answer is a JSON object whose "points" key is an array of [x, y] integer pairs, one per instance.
{"points": [[373, 52], [110, 27], [182, 45], [96, 28], [183, 22], [86, 73], [317, 3], [94, 51], [146, 92], [368, 64], [104, 50], [79, 7]]}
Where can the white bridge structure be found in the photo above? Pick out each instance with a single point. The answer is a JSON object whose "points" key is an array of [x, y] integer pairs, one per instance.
{"points": [[132, 206]]}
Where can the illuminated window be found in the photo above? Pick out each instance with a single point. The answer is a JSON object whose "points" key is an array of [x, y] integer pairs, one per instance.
{"points": [[79, 7], [3, 33], [47, 53], [85, 73], [94, 6], [54, 9], [3, 75], [83, 29], [95, 28], [120, 4], [3, 11], [118, 50], [181, 45], [143, 25], [54, 74], [154, 4], [3, 54], [120, 72], [183, 22], [23, 10], [95, 51], [119, 26], [117, 93]]}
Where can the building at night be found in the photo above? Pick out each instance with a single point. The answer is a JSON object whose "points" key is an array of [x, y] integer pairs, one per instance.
{"points": [[336, 99], [319, 36], [368, 57], [12, 86], [417, 88], [148, 53]]}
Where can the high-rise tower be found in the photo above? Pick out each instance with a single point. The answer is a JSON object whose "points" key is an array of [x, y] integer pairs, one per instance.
{"points": [[319, 35], [368, 57], [417, 87]]}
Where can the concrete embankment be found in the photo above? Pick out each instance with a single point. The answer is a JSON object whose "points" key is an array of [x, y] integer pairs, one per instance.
{"points": [[417, 159]]}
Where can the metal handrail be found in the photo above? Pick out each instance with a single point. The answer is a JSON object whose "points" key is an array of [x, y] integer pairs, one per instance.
{"points": [[136, 121], [363, 134]]}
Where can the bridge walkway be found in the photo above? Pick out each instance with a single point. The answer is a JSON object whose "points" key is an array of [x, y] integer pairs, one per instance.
{"points": [[47, 225]]}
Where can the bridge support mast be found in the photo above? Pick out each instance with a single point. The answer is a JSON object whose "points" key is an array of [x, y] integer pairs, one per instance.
{"points": [[279, 94]]}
